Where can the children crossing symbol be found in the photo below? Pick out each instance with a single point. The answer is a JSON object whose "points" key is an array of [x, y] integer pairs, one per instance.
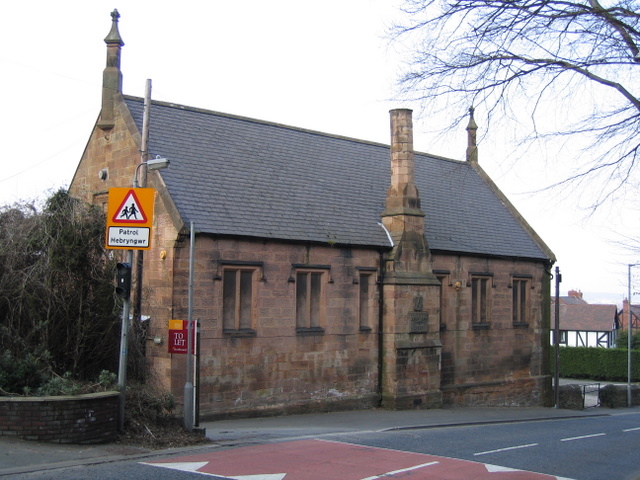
{"points": [[130, 210]]}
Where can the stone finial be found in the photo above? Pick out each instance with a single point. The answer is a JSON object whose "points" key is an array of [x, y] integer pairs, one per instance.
{"points": [[114, 38], [472, 148], [112, 76]]}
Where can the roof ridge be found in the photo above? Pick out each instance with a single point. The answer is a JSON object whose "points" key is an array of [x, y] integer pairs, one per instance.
{"points": [[282, 125]]}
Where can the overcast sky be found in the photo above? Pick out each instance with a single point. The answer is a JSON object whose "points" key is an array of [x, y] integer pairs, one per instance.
{"points": [[324, 65]]}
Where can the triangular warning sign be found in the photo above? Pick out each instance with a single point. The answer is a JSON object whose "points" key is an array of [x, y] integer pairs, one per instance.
{"points": [[130, 210]]}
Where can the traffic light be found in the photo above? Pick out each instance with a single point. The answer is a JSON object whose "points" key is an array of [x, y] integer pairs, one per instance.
{"points": [[123, 278]]}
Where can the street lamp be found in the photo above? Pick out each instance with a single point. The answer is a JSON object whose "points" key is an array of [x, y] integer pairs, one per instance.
{"points": [[629, 335], [151, 164]]}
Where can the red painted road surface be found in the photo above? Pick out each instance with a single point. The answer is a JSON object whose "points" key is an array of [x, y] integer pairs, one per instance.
{"points": [[323, 460]]}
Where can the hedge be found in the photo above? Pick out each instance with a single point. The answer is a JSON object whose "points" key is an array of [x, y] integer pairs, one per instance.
{"points": [[605, 364]]}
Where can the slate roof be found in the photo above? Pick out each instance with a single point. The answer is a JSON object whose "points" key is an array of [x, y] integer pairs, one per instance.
{"points": [[592, 318], [237, 176], [571, 300]]}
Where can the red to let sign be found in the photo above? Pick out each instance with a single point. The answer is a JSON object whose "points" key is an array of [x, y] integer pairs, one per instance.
{"points": [[178, 336]]}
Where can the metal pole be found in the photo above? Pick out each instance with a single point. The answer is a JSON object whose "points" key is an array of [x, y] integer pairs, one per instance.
{"points": [[196, 422], [629, 335], [124, 344], [144, 141], [126, 304], [556, 339], [188, 386], [141, 182]]}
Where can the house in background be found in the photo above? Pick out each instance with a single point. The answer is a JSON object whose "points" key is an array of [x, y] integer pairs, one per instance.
{"points": [[330, 272], [586, 325], [634, 312]]}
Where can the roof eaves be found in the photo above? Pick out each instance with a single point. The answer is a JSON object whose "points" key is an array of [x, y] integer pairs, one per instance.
{"points": [[488, 255]]}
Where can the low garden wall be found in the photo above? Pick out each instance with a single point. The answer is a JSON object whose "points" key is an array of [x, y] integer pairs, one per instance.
{"points": [[617, 396], [81, 419], [609, 396]]}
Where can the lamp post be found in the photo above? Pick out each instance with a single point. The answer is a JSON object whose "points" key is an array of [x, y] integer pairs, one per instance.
{"points": [[188, 386], [556, 340], [124, 346], [629, 335]]}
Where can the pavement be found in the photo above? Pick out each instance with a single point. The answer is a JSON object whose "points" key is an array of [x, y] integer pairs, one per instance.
{"points": [[21, 456]]}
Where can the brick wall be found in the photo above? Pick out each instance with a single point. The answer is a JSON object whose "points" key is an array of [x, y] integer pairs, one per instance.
{"points": [[500, 363], [280, 371], [81, 419], [277, 368]]}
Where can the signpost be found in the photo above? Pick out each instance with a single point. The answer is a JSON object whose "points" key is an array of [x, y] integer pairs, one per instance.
{"points": [[183, 339], [129, 221], [179, 336], [130, 218]]}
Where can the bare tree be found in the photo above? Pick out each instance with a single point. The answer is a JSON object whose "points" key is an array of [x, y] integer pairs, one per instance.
{"points": [[558, 67], [57, 303]]}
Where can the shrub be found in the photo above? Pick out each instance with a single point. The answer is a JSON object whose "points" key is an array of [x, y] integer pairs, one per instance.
{"points": [[148, 403], [64, 385], [605, 364], [20, 375], [58, 311]]}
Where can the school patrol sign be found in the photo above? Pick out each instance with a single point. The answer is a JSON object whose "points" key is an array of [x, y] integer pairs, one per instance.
{"points": [[129, 218]]}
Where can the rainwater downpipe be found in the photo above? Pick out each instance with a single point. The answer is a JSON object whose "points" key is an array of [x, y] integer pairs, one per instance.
{"points": [[381, 315], [380, 326]]}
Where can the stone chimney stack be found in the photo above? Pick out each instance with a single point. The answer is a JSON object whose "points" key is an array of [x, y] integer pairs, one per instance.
{"points": [[112, 76], [575, 294], [402, 208], [411, 291], [472, 147], [402, 217]]}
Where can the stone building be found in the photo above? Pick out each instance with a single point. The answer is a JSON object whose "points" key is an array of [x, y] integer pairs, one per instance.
{"points": [[330, 273]]}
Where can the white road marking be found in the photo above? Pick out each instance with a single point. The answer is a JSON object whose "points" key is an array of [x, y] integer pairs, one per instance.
{"points": [[401, 471], [272, 476], [631, 429], [194, 466], [182, 466], [506, 449], [497, 468], [582, 437]]}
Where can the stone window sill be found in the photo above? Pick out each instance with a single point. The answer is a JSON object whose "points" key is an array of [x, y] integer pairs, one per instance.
{"points": [[240, 333], [309, 331], [481, 326]]}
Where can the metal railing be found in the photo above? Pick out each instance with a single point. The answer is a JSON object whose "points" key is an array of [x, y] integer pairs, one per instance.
{"points": [[590, 395]]}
